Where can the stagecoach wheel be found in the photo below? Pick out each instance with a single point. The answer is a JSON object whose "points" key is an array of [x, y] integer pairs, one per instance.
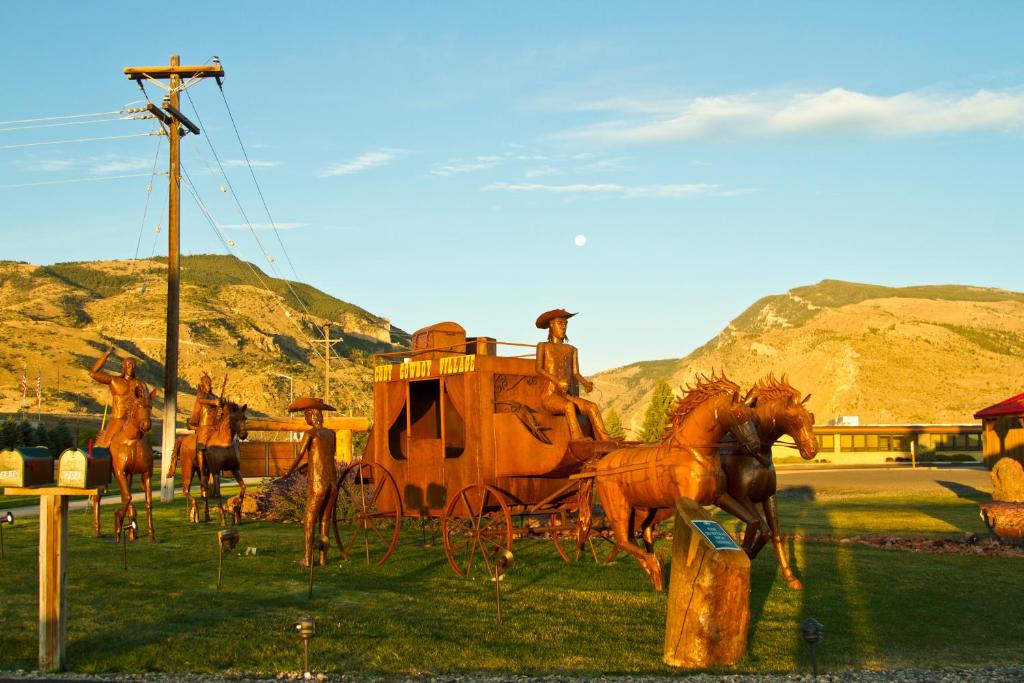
{"points": [[564, 534], [476, 528], [368, 516]]}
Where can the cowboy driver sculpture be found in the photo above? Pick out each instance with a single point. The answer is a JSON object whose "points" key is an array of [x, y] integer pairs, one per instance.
{"points": [[558, 366]]}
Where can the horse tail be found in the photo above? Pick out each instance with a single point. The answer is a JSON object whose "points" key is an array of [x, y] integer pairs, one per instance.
{"points": [[174, 458]]}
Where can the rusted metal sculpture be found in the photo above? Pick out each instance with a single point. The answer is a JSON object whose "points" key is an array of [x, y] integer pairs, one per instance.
{"points": [[750, 479], [124, 436], [685, 464], [318, 447], [220, 453], [559, 368]]}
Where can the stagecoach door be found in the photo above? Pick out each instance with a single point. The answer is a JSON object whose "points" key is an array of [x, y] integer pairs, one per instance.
{"points": [[435, 431]]}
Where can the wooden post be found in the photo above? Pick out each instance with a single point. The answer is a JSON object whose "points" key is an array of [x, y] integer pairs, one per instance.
{"points": [[173, 289], [327, 362], [173, 72], [913, 454], [53, 538], [53, 541], [343, 446], [708, 594]]}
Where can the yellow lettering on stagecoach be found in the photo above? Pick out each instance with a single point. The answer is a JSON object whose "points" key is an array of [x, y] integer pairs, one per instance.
{"points": [[456, 364], [471, 363]]}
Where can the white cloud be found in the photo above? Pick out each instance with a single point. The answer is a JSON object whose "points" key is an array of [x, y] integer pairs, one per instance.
{"points": [[541, 171], [833, 111], [540, 187], [256, 163], [459, 166], [262, 226], [48, 165], [363, 162], [121, 166], [670, 191]]}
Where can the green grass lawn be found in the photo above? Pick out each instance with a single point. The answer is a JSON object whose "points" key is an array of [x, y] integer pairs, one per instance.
{"points": [[414, 615]]}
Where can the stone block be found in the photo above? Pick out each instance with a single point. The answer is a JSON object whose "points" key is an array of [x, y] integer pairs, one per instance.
{"points": [[1008, 481]]}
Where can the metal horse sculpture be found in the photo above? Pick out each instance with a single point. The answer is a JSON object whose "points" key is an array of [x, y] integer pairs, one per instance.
{"points": [[131, 454], [778, 409], [686, 463], [221, 456]]}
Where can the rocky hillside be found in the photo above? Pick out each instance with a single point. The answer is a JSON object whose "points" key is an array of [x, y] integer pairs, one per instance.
{"points": [[910, 354], [235, 320]]}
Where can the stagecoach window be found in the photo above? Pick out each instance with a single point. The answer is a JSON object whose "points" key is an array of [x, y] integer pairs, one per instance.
{"points": [[425, 409], [454, 425], [396, 436]]}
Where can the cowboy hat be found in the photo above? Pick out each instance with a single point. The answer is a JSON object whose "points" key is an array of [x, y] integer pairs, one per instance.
{"points": [[544, 321], [307, 403]]}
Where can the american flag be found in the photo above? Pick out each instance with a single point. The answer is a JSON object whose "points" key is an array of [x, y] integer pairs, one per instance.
{"points": [[39, 387], [24, 385]]}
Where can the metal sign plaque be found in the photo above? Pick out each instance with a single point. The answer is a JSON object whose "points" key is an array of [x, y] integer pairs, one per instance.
{"points": [[718, 537]]}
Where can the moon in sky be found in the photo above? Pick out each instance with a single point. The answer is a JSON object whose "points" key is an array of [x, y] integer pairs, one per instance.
{"points": [[581, 240]]}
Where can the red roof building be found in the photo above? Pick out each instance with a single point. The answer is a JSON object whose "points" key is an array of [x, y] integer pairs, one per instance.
{"points": [[1003, 429]]}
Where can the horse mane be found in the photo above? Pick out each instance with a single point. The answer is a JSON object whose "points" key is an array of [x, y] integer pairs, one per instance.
{"points": [[704, 388], [771, 388]]}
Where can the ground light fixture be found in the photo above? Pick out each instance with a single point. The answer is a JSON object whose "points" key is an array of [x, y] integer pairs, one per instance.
{"points": [[810, 629], [226, 539], [503, 560], [318, 546], [306, 628], [129, 527], [6, 519]]}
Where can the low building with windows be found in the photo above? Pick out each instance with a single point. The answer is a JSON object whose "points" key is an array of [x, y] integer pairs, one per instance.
{"points": [[889, 443]]}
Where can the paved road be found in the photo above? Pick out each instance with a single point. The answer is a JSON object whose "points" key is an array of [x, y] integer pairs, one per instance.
{"points": [[837, 482]]}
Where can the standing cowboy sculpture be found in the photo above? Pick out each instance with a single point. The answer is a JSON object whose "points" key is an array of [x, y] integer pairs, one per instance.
{"points": [[558, 364], [319, 446], [131, 403]]}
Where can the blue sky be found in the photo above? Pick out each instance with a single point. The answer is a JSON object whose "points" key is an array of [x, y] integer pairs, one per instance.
{"points": [[436, 161]]}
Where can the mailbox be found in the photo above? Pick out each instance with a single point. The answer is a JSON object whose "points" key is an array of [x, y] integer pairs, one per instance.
{"points": [[79, 470], [23, 467]]}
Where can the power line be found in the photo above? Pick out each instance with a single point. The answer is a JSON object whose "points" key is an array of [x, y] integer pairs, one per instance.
{"points": [[75, 180], [228, 245], [66, 123], [68, 142], [69, 116], [245, 154]]}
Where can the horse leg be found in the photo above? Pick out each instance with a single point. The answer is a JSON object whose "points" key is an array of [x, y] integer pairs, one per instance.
{"points": [[772, 513], [617, 509], [745, 514], [132, 515], [126, 500], [147, 488], [236, 509], [187, 474], [215, 490]]}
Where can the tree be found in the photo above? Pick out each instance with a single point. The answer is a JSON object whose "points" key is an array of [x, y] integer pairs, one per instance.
{"points": [[656, 415], [613, 424], [26, 435], [59, 438], [8, 435]]}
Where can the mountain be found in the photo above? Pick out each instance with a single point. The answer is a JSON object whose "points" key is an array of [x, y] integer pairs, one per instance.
{"points": [[886, 354], [235, 320]]}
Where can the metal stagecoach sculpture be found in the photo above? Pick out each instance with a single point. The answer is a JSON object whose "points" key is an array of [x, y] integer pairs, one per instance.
{"points": [[502, 447]]}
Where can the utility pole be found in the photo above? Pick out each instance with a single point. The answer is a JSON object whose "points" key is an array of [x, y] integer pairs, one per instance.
{"points": [[327, 361], [170, 115]]}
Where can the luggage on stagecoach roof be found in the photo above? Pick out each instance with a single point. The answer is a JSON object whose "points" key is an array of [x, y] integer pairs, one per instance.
{"points": [[26, 466], [81, 470]]}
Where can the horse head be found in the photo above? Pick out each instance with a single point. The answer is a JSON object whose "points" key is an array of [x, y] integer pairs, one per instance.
{"points": [[715, 403], [142, 407], [736, 417], [238, 417], [799, 424]]}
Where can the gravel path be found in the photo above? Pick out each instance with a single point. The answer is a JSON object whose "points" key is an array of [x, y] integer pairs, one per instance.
{"points": [[978, 674]]}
